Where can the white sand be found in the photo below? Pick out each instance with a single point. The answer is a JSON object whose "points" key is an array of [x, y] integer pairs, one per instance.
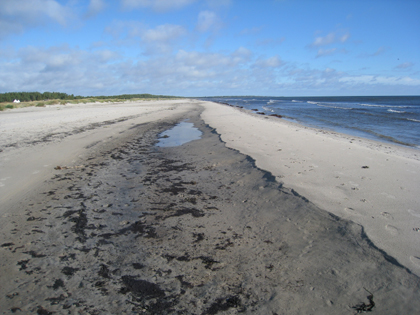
{"points": [[328, 169]]}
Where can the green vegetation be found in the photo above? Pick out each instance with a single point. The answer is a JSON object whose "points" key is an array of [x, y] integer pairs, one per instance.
{"points": [[131, 96], [35, 96], [51, 98]]}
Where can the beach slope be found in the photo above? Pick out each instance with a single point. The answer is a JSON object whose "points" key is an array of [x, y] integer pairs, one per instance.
{"points": [[97, 219], [371, 183]]}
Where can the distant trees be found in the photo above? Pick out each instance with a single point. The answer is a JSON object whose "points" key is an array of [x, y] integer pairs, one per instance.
{"points": [[35, 96], [130, 96]]}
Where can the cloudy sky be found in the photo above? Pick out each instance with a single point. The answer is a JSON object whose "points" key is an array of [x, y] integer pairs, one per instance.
{"points": [[211, 47]]}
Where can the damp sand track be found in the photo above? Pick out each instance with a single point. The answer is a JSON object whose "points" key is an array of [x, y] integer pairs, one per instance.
{"points": [[131, 228]]}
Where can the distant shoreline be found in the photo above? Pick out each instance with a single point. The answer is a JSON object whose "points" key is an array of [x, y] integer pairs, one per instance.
{"points": [[390, 120]]}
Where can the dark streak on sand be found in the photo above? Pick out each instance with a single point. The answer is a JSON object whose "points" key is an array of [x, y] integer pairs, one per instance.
{"points": [[191, 230]]}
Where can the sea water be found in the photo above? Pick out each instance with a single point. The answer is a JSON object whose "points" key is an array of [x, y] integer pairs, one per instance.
{"points": [[182, 133], [392, 119]]}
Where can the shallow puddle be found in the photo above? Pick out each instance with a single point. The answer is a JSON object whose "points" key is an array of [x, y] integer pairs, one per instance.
{"points": [[182, 133]]}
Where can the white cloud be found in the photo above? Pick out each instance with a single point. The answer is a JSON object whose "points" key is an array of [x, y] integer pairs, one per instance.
{"points": [[100, 71], [125, 29], [95, 6], [106, 55], [331, 38], [270, 41], [405, 66], [208, 20], [381, 50], [77, 71], [272, 62], [326, 52], [251, 31], [163, 33], [60, 68], [322, 41], [344, 38], [382, 80], [157, 5], [57, 58], [242, 52], [203, 60], [161, 39], [16, 16]]}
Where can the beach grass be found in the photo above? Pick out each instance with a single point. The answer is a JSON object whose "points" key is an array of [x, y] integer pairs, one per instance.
{"points": [[7, 105]]}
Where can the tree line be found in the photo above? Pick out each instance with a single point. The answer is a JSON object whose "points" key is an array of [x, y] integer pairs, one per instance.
{"points": [[37, 96], [130, 96]]}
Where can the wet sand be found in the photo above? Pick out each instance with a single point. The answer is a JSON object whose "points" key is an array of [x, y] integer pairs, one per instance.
{"points": [[125, 227]]}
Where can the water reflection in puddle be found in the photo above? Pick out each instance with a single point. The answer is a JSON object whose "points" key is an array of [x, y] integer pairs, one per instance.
{"points": [[182, 133]]}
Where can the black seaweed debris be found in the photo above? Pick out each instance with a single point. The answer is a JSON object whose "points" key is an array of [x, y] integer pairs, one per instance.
{"points": [[363, 307], [140, 228], [56, 300], [69, 271], [138, 266], [43, 311], [58, 283], [208, 261], [223, 304], [141, 288], [15, 309], [199, 237], [35, 254], [7, 244], [104, 271]]}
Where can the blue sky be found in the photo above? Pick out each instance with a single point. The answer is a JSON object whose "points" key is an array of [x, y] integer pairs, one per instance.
{"points": [[211, 47]]}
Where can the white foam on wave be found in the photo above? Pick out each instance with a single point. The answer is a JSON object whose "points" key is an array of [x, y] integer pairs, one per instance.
{"points": [[268, 109], [335, 107], [386, 106], [396, 111], [415, 120]]}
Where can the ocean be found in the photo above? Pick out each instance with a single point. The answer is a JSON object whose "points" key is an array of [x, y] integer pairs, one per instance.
{"points": [[390, 119]]}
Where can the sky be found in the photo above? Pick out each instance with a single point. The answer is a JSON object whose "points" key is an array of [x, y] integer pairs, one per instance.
{"points": [[211, 47]]}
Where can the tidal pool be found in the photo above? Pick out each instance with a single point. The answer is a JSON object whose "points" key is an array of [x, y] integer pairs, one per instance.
{"points": [[182, 133]]}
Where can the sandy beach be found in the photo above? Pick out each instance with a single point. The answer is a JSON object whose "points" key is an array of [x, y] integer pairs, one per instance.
{"points": [[258, 216]]}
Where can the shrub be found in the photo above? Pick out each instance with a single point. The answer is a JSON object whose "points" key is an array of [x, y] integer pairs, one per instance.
{"points": [[40, 104], [9, 106]]}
